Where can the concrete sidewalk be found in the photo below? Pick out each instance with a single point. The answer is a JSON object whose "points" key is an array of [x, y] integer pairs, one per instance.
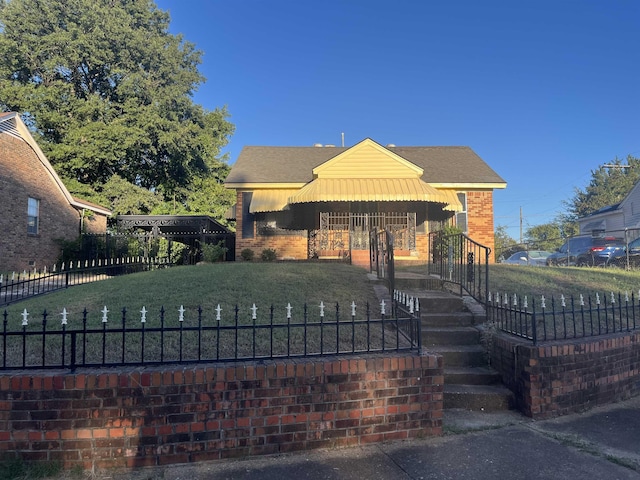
{"points": [[603, 443]]}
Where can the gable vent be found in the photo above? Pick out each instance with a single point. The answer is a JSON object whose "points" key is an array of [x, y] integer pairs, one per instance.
{"points": [[9, 127]]}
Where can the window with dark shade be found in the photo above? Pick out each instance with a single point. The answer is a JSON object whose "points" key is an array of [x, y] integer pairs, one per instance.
{"points": [[248, 219]]}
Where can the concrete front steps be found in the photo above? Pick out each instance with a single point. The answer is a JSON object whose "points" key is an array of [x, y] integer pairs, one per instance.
{"points": [[448, 328]]}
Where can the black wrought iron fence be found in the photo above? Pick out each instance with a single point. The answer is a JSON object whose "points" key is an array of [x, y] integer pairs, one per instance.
{"points": [[19, 286], [561, 319], [196, 336], [457, 259], [381, 248], [406, 306]]}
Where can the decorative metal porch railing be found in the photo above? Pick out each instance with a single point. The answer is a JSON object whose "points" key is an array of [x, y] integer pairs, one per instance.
{"points": [[382, 260], [459, 260], [348, 230]]}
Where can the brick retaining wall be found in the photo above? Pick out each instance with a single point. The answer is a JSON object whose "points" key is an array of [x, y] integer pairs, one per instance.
{"points": [[560, 378], [141, 417]]}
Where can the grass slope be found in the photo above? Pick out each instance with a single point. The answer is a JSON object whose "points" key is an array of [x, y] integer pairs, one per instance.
{"points": [[556, 281], [297, 283], [206, 286]]}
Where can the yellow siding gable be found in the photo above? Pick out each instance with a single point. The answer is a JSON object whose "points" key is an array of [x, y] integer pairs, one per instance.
{"points": [[367, 159]]}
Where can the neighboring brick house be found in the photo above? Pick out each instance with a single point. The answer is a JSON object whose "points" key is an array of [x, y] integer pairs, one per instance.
{"points": [[36, 209], [321, 202]]}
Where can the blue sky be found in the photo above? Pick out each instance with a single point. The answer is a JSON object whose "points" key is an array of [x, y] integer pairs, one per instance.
{"points": [[544, 91]]}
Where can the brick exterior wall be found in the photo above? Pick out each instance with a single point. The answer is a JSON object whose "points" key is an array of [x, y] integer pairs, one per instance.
{"points": [[557, 379], [95, 224], [480, 226], [293, 247], [23, 176], [480, 219], [141, 417], [289, 247]]}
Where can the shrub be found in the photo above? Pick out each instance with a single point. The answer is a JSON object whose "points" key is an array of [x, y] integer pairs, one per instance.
{"points": [[247, 254], [441, 243], [178, 253], [17, 468], [69, 250], [213, 252], [268, 255]]}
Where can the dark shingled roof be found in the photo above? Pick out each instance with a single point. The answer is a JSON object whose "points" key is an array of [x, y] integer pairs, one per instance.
{"points": [[295, 164]]}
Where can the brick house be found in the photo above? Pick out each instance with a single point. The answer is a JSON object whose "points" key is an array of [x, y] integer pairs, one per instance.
{"points": [[36, 210], [321, 202]]}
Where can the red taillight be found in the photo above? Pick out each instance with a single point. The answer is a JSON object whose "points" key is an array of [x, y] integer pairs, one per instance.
{"points": [[597, 249]]}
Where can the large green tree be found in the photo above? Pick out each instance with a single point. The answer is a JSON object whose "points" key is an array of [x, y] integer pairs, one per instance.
{"points": [[107, 91], [503, 242], [550, 236], [609, 184]]}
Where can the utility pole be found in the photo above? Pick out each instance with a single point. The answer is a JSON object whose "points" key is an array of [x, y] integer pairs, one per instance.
{"points": [[520, 225]]}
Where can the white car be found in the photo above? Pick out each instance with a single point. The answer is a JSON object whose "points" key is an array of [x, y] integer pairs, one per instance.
{"points": [[528, 257]]}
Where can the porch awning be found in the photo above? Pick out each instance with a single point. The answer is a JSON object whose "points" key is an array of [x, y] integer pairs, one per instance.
{"points": [[453, 202], [270, 200], [372, 190]]}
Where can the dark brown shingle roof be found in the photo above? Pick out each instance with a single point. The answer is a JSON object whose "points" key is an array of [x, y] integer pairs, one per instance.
{"points": [[459, 165]]}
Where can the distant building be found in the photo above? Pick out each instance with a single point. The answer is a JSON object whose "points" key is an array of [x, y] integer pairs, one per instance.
{"points": [[615, 219], [36, 209]]}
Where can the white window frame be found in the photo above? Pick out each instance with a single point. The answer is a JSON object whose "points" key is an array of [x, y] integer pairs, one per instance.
{"points": [[33, 216], [462, 219]]}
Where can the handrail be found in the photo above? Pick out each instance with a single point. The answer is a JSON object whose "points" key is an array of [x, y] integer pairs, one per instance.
{"points": [[458, 259], [381, 260]]}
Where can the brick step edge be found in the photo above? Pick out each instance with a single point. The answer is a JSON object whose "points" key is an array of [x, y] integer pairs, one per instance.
{"points": [[488, 398]]}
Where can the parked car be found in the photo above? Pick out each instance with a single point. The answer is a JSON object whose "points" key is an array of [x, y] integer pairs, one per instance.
{"points": [[631, 251], [586, 251], [598, 255], [528, 257]]}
